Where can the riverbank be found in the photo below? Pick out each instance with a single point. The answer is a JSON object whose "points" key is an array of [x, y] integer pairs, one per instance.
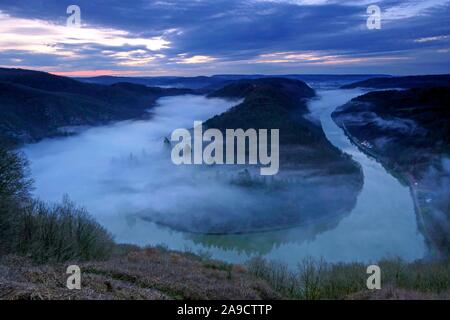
{"points": [[409, 130], [403, 178], [421, 194]]}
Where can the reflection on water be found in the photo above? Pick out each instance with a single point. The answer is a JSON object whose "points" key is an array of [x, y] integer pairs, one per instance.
{"points": [[103, 170], [263, 243], [235, 209]]}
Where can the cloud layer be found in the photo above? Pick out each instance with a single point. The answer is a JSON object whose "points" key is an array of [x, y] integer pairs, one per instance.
{"points": [[226, 36]]}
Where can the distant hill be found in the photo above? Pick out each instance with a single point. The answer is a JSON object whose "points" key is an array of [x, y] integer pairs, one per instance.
{"points": [[288, 87], [281, 103], [34, 105], [211, 83], [407, 82], [175, 82]]}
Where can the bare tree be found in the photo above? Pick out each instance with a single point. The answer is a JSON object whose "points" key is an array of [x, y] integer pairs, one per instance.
{"points": [[15, 187]]}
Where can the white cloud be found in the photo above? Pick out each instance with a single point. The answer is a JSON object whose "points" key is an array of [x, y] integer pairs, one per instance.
{"points": [[403, 10], [430, 39], [412, 8], [194, 59], [321, 58], [40, 36], [322, 2]]}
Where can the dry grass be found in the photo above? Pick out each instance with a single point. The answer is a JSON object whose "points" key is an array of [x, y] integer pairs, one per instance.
{"points": [[157, 273], [315, 279], [139, 274]]}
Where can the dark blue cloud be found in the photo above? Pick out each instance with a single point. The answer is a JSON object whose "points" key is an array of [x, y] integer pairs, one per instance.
{"points": [[415, 35]]}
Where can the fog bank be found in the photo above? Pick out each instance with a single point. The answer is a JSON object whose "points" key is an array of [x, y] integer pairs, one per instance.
{"points": [[124, 176]]}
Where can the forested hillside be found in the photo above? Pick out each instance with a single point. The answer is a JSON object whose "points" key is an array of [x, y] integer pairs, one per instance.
{"points": [[35, 105]]}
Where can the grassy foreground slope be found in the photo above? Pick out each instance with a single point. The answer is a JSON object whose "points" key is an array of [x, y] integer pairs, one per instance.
{"points": [[151, 273], [156, 273]]}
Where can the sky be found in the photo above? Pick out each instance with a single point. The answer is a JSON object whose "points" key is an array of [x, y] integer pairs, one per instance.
{"points": [[205, 37]]}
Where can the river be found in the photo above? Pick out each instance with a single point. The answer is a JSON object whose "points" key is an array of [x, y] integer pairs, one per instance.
{"points": [[115, 171]]}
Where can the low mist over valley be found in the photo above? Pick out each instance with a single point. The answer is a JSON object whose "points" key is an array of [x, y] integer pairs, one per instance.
{"points": [[224, 150]]}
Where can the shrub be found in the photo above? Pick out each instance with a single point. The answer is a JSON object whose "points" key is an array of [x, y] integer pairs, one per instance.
{"points": [[60, 232], [15, 183], [315, 279], [46, 233], [15, 186]]}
